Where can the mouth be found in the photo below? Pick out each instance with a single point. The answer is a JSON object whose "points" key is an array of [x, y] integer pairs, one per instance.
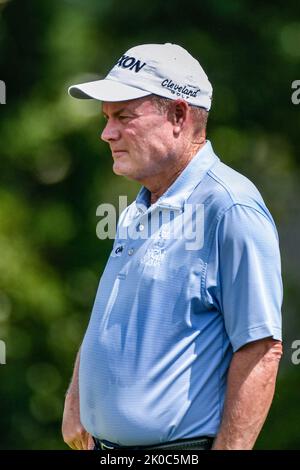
{"points": [[118, 153]]}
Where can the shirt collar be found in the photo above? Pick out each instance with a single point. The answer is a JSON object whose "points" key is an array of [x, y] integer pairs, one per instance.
{"points": [[180, 190]]}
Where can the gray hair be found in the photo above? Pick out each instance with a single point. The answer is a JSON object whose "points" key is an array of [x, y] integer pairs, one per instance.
{"points": [[199, 115]]}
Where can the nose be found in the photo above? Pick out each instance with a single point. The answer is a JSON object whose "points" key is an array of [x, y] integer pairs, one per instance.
{"points": [[110, 131]]}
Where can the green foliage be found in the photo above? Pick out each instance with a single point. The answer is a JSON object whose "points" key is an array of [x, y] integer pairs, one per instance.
{"points": [[55, 172]]}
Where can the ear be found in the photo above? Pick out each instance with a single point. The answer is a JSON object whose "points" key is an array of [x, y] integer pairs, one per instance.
{"points": [[180, 115]]}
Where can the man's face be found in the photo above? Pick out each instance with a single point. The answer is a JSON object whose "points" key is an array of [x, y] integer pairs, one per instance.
{"points": [[140, 138]]}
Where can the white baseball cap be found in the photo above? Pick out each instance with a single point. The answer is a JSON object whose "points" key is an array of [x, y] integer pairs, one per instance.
{"points": [[166, 70]]}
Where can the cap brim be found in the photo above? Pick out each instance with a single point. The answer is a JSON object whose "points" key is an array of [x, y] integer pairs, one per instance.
{"points": [[106, 90]]}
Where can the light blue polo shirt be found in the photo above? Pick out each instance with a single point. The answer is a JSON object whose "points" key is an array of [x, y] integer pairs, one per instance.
{"points": [[190, 280]]}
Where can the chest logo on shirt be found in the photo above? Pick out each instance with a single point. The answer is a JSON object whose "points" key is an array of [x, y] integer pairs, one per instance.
{"points": [[118, 250], [153, 256]]}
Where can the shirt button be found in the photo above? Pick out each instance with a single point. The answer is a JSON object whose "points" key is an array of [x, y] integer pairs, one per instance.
{"points": [[141, 227], [130, 252]]}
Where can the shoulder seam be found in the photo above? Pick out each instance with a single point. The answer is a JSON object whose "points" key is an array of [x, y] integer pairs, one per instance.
{"points": [[218, 180]]}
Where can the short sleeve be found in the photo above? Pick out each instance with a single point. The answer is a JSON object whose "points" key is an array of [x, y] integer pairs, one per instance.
{"points": [[244, 275]]}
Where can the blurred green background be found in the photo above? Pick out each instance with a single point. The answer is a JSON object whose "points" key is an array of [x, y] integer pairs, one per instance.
{"points": [[55, 172]]}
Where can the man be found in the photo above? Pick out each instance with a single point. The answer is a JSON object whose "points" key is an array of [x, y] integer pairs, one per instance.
{"points": [[184, 340]]}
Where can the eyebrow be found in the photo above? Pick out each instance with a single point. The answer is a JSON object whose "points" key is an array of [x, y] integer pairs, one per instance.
{"points": [[116, 113]]}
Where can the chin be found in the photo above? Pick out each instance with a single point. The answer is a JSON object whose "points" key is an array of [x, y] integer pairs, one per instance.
{"points": [[118, 170]]}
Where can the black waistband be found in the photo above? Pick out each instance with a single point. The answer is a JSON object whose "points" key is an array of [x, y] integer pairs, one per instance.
{"points": [[202, 442]]}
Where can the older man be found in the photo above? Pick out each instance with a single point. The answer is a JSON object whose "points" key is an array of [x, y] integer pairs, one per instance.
{"points": [[184, 340]]}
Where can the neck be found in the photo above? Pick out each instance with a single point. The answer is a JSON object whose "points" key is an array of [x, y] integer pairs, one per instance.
{"points": [[159, 184]]}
